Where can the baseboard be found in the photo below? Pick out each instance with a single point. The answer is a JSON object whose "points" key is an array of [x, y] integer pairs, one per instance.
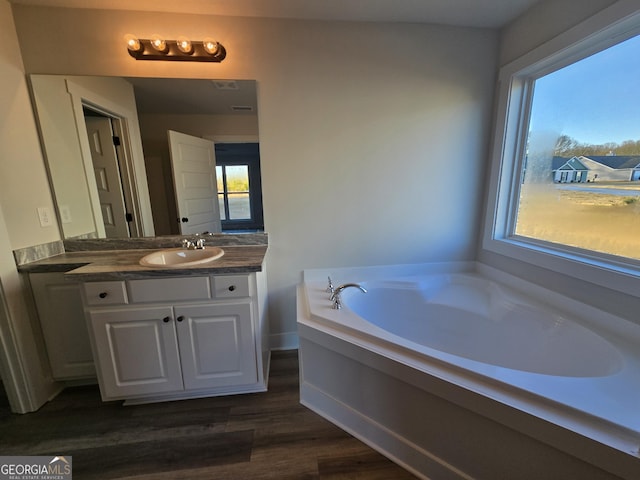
{"points": [[284, 341]]}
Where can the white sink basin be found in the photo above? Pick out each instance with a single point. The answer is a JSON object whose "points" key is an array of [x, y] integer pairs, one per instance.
{"points": [[181, 257]]}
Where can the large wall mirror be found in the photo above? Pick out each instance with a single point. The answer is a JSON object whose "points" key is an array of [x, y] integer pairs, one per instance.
{"points": [[132, 157]]}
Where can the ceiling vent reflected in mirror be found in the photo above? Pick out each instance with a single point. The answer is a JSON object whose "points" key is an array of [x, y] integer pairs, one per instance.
{"points": [[226, 84], [193, 97]]}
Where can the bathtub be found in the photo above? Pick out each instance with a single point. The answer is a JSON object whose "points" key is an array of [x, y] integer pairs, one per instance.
{"points": [[461, 371]]}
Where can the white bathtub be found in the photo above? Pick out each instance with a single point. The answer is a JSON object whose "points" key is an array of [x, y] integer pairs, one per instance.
{"points": [[551, 375]]}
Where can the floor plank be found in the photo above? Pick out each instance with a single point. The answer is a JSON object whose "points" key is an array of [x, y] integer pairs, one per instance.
{"points": [[367, 465], [257, 436]]}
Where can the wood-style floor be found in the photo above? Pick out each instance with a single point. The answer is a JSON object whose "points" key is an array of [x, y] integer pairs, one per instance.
{"points": [[244, 437]]}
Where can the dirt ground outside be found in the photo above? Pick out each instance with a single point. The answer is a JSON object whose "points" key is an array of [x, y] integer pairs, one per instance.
{"points": [[604, 217]]}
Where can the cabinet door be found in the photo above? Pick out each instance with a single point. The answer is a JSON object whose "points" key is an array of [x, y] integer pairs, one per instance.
{"points": [[137, 351], [64, 328], [217, 346]]}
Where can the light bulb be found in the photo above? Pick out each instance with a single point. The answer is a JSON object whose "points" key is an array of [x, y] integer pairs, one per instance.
{"points": [[133, 43], [184, 45], [210, 46], [158, 43]]}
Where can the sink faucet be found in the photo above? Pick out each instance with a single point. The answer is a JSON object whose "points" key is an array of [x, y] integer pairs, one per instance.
{"points": [[335, 296], [195, 244]]}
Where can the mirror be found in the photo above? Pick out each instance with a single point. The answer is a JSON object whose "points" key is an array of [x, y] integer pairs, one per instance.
{"points": [[106, 145]]}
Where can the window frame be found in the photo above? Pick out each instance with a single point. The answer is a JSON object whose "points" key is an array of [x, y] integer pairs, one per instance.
{"points": [[243, 154], [609, 27]]}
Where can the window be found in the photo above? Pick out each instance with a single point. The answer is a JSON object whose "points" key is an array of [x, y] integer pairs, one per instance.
{"points": [[565, 188], [233, 192], [239, 186], [585, 117]]}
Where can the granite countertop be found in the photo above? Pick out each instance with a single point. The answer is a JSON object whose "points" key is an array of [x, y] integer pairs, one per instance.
{"points": [[122, 264]]}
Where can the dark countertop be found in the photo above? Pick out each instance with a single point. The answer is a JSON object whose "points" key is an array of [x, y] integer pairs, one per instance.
{"points": [[122, 264]]}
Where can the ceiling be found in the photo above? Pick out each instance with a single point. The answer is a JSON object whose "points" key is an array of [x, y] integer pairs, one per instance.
{"points": [[468, 13]]}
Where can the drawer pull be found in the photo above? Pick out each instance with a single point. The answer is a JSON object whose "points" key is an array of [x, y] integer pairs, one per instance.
{"points": [[232, 288], [180, 318], [103, 294], [166, 319]]}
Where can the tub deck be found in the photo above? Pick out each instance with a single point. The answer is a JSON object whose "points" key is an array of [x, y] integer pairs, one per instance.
{"points": [[592, 418]]}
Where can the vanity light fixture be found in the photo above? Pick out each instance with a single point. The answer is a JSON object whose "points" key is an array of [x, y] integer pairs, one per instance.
{"points": [[158, 44], [157, 48], [184, 45]]}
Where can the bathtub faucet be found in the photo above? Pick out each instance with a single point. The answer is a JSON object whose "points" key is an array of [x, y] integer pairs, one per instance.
{"points": [[330, 288], [335, 296]]}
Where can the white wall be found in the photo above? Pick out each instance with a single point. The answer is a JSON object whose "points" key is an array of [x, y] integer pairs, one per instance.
{"points": [[373, 137], [23, 188], [24, 180]]}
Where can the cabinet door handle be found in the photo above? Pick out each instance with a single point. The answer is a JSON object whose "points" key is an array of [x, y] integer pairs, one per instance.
{"points": [[232, 288], [166, 319], [103, 294], [180, 318]]}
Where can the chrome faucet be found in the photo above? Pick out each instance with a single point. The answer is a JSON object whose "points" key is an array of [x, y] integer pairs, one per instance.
{"points": [[335, 296], [330, 288], [196, 244]]}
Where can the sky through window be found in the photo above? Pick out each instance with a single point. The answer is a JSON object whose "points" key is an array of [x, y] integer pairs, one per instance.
{"points": [[594, 101]]}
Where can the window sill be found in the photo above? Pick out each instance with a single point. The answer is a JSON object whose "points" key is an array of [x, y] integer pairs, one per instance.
{"points": [[604, 272]]}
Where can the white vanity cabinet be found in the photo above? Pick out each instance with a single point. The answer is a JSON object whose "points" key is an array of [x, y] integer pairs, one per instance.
{"points": [[178, 337], [217, 345], [136, 351], [62, 320]]}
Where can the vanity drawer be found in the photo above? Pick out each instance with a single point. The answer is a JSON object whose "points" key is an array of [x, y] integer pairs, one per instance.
{"points": [[230, 286], [173, 289], [105, 293]]}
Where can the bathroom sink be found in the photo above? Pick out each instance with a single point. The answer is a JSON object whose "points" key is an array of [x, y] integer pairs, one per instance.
{"points": [[181, 257]]}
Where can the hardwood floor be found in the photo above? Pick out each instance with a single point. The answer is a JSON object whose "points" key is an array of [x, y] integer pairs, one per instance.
{"points": [[243, 437]]}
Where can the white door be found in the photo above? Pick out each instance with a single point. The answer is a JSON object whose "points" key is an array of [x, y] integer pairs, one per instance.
{"points": [[193, 163], [217, 346], [107, 172]]}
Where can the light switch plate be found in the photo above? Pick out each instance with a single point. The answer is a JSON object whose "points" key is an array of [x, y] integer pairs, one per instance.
{"points": [[44, 214], [65, 214]]}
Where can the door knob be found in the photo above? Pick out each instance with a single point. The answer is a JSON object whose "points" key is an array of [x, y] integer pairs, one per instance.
{"points": [[166, 319], [180, 318], [184, 219]]}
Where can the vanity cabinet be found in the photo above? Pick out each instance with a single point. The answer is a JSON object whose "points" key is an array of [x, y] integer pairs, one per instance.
{"points": [[136, 351], [177, 337], [59, 305]]}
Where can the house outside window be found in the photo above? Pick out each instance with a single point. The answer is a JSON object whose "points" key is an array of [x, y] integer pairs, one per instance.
{"points": [[564, 188]]}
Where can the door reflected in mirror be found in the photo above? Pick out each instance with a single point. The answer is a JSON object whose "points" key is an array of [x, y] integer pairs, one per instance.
{"points": [[109, 159]]}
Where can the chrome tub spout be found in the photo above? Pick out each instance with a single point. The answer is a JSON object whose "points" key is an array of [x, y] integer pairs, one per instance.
{"points": [[336, 298]]}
